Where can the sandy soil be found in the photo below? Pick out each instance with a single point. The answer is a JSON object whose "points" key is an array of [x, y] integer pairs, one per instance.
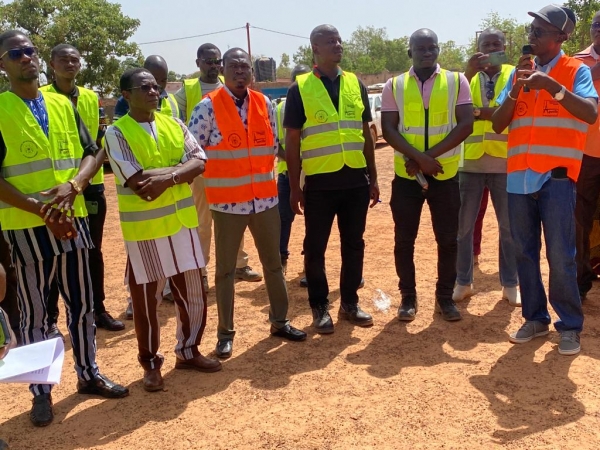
{"points": [[426, 384]]}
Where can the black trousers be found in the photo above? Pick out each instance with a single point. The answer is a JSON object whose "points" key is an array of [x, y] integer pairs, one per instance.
{"points": [[10, 304], [96, 206], [588, 191], [320, 208], [443, 198]]}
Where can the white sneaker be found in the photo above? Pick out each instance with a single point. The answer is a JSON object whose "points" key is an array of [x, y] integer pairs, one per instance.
{"points": [[513, 295], [462, 292]]}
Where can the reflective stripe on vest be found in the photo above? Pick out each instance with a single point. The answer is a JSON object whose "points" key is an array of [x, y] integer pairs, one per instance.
{"points": [[543, 135], [484, 139], [168, 106], [164, 216], [281, 163], [240, 167], [441, 118], [34, 162], [331, 138], [88, 108]]}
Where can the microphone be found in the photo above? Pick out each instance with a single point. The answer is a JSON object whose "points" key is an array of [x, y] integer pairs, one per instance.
{"points": [[527, 50]]}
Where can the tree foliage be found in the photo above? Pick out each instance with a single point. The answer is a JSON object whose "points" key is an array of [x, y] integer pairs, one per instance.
{"points": [[585, 11], [284, 70], [97, 28]]}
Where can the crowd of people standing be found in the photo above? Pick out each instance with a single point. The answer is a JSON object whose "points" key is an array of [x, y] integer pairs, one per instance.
{"points": [[204, 159]]}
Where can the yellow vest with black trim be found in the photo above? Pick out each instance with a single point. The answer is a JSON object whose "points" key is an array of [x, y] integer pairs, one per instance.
{"points": [[484, 139], [414, 125], [89, 111], [193, 94], [164, 216], [168, 107], [34, 162], [281, 163], [331, 138]]}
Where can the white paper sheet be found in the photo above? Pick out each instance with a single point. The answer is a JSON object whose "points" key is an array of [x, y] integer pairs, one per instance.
{"points": [[34, 363]]}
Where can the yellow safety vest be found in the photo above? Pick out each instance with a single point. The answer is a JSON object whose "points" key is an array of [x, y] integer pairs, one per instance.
{"points": [[281, 163], [331, 138], [484, 139], [164, 216], [193, 94], [441, 118], [89, 111], [34, 162], [169, 107]]}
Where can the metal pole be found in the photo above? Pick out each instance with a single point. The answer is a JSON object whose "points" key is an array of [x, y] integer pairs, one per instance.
{"points": [[250, 54]]}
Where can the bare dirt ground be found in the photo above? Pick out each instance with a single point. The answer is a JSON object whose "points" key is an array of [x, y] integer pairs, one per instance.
{"points": [[426, 384]]}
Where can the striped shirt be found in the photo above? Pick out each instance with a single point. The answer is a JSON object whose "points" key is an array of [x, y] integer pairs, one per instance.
{"points": [[156, 259]]}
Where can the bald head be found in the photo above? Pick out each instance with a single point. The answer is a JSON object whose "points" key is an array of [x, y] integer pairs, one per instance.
{"points": [[326, 45], [423, 49], [420, 34], [320, 31], [157, 66]]}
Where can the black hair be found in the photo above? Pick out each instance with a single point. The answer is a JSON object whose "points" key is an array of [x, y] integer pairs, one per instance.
{"points": [[491, 31], [205, 47], [9, 35], [299, 70], [233, 50], [126, 80], [60, 47]]}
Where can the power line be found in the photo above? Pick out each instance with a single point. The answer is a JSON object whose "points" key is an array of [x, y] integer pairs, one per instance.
{"points": [[279, 32], [191, 37]]}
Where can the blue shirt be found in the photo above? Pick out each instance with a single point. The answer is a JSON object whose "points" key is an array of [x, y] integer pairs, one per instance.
{"points": [[528, 181], [37, 106]]}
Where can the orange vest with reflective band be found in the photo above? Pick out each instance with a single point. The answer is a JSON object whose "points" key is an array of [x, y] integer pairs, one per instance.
{"points": [[543, 135], [240, 167]]}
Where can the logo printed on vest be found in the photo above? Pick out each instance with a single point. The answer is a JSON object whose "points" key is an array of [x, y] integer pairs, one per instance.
{"points": [[29, 149], [260, 138], [63, 147], [521, 108], [550, 108], [349, 111], [234, 140], [321, 116]]}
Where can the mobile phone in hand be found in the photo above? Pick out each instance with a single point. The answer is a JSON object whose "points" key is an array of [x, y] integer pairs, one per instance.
{"points": [[497, 58]]}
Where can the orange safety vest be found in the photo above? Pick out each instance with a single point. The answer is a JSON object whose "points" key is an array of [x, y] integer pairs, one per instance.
{"points": [[543, 135], [240, 167]]}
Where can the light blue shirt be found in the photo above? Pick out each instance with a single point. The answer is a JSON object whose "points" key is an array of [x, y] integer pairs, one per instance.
{"points": [[528, 181]]}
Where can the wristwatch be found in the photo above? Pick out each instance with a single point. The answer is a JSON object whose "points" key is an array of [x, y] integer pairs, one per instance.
{"points": [[75, 185], [175, 178], [476, 112], [560, 94]]}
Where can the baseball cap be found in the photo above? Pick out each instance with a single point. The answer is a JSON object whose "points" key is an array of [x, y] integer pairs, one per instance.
{"points": [[562, 18]]}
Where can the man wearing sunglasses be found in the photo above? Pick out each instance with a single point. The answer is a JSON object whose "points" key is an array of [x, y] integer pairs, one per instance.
{"points": [[154, 159], [485, 166], [210, 64], [47, 158], [588, 184], [237, 128], [65, 61], [547, 107]]}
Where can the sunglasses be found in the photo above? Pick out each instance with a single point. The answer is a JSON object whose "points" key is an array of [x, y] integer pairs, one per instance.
{"points": [[539, 32], [595, 26], [17, 53], [490, 90], [212, 61], [146, 88]]}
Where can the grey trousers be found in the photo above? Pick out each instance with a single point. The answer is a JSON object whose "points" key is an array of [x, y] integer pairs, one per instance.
{"points": [[229, 230]]}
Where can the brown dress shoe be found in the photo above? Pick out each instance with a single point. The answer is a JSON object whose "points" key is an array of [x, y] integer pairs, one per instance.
{"points": [[199, 363], [153, 380]]}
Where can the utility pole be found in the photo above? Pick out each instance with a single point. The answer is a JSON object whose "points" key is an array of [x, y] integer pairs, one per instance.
{"points": [[250, 54]]}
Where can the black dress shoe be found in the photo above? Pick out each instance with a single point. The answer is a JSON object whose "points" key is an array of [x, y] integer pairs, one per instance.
{"points": [[408, 308], [54, 332], [129, 311], [3, 445], [322, 320], [41, 413], [103, 387], [447, 308], [355, 315], [106, 321], [303, 282], [224, 348], [288, 332]]}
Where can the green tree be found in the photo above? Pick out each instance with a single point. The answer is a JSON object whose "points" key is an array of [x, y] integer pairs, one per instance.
{"points": [[284, 70], [173, 76], [397, 55], [97, 28], [585, 11], [514, 32], [452, 56], [303, 55]]}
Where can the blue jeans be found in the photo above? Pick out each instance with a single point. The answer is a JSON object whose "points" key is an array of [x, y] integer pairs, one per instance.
{"points": [[472, 186], [285, 213], [552, 207]]}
